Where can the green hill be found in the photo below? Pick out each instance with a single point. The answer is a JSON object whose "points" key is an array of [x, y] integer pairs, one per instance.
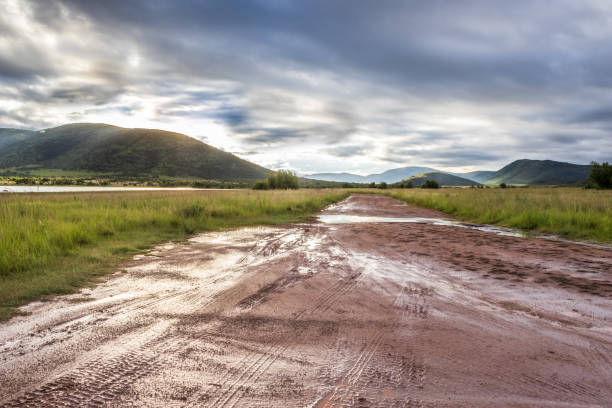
{"points": [[480, 175], [109, 149], [9, 136], [443, 179], [540, 172]]}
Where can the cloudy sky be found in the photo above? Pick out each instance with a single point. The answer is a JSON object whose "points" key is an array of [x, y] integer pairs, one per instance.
{"points": [[360, 86]]}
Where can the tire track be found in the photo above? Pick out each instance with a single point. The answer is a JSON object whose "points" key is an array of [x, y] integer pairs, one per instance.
{"points": [[344, 391], [256, 366], [98, 382]]}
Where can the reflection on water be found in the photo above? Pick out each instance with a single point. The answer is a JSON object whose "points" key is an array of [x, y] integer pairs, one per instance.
{"points": [[352, 219], [60, 189]]}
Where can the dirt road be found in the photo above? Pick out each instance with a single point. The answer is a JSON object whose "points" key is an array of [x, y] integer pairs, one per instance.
{"points": [[420, 313]]}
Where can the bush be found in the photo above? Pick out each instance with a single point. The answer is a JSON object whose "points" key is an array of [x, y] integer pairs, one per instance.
{"points": [[430, 184], [260, 185], [372, 185], [601, 174], [278, 180], [382, 185], [503, 185], [404, 184]]}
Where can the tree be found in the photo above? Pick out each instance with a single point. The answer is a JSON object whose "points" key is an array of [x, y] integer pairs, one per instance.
{"points": [[430, 184], [503, 185], [601, 174], [278, 180], [382, 185], [260, 185], [372, 185]]}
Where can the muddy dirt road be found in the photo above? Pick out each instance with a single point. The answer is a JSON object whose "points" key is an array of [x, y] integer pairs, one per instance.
{"points": [[338, 313]]}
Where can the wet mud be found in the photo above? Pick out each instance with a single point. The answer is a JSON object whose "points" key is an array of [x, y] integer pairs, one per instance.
{"points": [[328, 314]]}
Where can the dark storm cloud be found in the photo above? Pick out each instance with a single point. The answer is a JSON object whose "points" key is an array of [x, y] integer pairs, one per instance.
{"points": [[94, 94], [443, 156], [460, 82], [407, 44], [601, 114], [347, 151], [564, 138]]}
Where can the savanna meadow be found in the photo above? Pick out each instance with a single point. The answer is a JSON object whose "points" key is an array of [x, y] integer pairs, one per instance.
{"points": [[55, 243], [326, 204]]}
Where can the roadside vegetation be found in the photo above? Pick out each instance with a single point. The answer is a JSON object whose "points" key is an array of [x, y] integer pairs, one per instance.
{"points": [[278, 180], [56, 243], [601, 175], [565, 211], [118, 181]]}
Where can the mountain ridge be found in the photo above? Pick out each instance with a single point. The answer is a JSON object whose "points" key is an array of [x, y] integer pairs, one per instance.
{"points": [[443, 179], [112, 149], [540, 172], [389, 176]]}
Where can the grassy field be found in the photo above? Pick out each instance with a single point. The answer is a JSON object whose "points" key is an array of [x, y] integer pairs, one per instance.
{"points": [[56, 243], [574, 213]]}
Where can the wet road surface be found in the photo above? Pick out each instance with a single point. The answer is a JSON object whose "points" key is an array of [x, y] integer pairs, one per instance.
{"points": [[328, 314]]}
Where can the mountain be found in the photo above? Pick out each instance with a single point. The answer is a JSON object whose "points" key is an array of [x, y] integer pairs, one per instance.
{"points": [[540, 172], [443, 179], [389, 176], [480, 176], [129, 152]]}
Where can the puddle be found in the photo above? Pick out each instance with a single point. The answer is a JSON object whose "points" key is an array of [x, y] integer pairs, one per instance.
{"points": [[354, 219]]}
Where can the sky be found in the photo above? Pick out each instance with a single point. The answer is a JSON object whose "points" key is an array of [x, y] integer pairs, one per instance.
{"points": [[319, 85]]}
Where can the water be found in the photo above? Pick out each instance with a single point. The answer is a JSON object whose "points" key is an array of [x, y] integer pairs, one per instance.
{"points": [[352, 219], [72, 189]]}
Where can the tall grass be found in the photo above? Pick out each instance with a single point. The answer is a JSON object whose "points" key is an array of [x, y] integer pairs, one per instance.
{"points": [[54, 243], [570, 212]]}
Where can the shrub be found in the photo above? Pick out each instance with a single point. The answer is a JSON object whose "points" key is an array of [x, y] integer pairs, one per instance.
{"points": [[382, 185], [278, 180], [404, 184], [260, 185], [430, 184], [372, 185], [503, 185], [601, 174]]}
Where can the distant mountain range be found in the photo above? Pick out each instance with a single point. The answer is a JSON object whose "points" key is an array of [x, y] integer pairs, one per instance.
{"points": [[530, 172], [109, 149], [112, 150], [389, 176]]}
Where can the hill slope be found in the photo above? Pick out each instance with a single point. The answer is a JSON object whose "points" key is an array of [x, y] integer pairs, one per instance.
{"points": [[389, 176], [9, 136], [130, 152], [443, 179], [479, 175], [540, 172]]}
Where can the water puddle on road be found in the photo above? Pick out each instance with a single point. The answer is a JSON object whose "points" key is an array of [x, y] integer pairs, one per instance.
{"points": [[354, 219]]}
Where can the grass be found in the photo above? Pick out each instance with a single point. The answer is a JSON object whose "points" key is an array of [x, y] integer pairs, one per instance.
{"points": [[56, 243], [573, 213]]}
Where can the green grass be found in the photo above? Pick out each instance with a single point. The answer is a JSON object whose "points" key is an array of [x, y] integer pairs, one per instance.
{"points": [[56, 243], [573, 213]]}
